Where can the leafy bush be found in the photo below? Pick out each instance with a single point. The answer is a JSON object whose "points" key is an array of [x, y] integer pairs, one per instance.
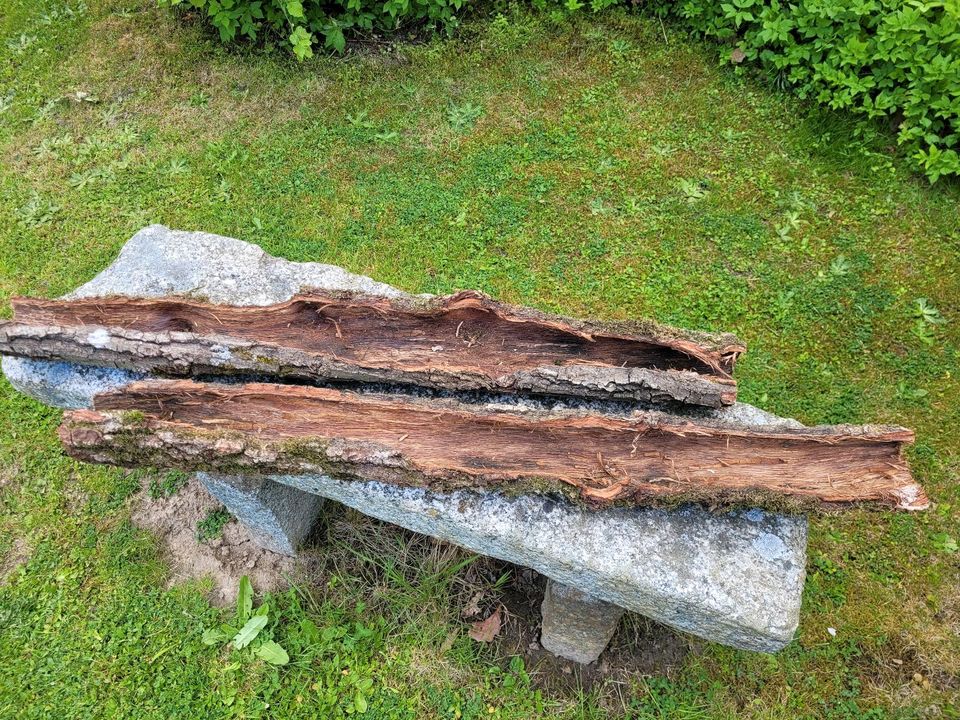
{"points": [[890, 59], [303, 22]]}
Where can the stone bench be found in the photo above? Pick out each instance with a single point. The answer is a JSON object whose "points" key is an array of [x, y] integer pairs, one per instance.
{"points": [[734, 578]]}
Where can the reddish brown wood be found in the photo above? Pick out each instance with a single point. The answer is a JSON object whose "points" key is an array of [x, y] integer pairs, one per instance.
{"points": [[463, 342], [638, 459]]}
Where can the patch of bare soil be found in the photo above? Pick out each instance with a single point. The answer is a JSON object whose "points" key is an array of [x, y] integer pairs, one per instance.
{"points": [[224, 559], [16, 556], [640, 647], [8, 473]]}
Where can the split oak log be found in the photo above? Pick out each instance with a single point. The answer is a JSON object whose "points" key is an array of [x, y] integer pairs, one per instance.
{"points": [[465, 341], [636, 459]]}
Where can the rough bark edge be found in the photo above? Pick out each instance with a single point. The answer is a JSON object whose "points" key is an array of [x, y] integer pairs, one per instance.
{"points": [[138, 438], [718, 351], [129, 439], [189, 354]]}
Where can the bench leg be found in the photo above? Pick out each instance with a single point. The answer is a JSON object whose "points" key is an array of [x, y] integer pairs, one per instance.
{"points": [[278, 516], [576, 626]]}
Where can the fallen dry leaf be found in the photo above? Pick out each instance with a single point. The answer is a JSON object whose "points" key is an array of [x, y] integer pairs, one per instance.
{"points": [[738, 55], [473, 607], [486, 630]]}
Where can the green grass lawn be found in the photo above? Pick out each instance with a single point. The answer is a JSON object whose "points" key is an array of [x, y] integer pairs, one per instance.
{"points": [[606, 168]]}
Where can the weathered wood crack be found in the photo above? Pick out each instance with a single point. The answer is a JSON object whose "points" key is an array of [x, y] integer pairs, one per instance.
{"points": [[466, 341]]}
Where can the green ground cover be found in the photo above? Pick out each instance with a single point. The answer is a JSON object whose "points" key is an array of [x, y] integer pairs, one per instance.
{"points": [[607, 167]]}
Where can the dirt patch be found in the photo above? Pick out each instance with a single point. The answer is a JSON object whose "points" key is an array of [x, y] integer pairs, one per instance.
{"points": [[16, 556], [224, 559], [8, 473], [74, 498]]}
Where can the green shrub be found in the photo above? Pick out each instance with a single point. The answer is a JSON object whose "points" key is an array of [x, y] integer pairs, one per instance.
{"points": [[304, 22], [891, 59]]}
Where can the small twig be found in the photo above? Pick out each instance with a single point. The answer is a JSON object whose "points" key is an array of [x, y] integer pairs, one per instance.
{"points": [[336, 326]]}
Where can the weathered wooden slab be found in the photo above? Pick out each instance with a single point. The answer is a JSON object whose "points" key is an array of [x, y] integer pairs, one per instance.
{"points": [[466, 341], [637, 459]]}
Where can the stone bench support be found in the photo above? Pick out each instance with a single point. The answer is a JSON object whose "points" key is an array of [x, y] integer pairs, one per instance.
{"points": [[733, 578], [278, 516], [576, 626]]}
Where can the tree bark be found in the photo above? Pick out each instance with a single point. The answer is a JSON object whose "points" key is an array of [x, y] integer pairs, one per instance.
{"points": [[460, 342], [633, 459]]}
